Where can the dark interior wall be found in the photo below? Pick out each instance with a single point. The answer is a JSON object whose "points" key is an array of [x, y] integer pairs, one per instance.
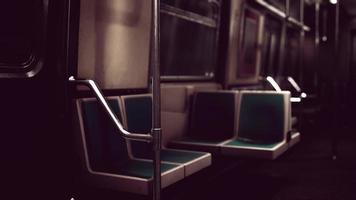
{"points": [[352, 43], [344, 48], [309, 67], [35, 145], [326, 64]]}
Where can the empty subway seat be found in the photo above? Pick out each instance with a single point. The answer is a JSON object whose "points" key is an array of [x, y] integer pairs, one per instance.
{"points": [[176, 101], [293, 136], [212, 121], [262, 125], [138, 117], [297, 96], [106, 158]]}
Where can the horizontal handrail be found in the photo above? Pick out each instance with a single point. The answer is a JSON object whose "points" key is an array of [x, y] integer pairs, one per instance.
{"points": [[271, 8], [99, 95]]}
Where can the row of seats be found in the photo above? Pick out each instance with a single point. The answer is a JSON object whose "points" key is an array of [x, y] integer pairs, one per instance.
{"points": [[112, 162], [246, 123]]}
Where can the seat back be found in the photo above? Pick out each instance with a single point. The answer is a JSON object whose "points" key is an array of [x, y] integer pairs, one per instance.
{"points": [[176, 102], [138, 112], [105, 146], [263, 116], [213, 115]]}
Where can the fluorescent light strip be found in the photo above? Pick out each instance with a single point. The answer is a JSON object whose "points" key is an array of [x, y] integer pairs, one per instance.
{"points": [[333, 1]]}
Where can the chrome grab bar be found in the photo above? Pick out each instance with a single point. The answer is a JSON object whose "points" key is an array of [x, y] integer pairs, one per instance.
{"points": [[100, 97], [273, 83]]}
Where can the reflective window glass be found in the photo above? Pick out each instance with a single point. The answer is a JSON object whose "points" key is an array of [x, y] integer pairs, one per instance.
{"points": [[201, 7], [20, 31], [187, 48], [249, 48]]}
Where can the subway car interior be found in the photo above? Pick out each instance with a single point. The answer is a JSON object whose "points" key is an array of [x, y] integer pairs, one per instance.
{"points": [[178, 99]]}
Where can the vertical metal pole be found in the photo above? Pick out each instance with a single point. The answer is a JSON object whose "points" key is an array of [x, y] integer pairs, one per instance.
{"points": [[287, 3], [156, 88], [282, 45], [337, 22], [301, 60], [216, 8], [317, 44], [317, 34], [301, 44], [336, 48]]}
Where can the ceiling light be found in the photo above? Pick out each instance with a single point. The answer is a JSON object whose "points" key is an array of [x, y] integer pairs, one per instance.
{"points": [[333, 1]]}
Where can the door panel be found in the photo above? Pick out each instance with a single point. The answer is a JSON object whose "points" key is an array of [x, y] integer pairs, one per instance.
{"points": [[33, 128]]}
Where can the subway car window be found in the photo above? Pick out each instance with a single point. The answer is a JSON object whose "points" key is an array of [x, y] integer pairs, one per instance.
{"points": [[280, 4], [21, 33], [201, 7], [188, 38], [271, 43], [294, 9], [292, 53], [251, 23]]}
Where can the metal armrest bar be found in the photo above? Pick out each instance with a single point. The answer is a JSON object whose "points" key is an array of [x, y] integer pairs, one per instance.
{"points": [[99, 95]]}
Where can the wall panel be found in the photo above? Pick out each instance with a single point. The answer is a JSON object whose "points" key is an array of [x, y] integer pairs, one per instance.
{"points": [[114, 39]]}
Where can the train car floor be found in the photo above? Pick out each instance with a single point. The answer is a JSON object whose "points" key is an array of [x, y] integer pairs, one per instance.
{"points": [[305, 172]]}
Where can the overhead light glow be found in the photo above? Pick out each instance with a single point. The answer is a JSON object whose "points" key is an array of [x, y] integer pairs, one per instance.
{"points": [[333, 1], [303, 95]]}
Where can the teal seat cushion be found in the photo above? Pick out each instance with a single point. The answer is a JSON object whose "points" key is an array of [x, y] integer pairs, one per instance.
{"points": [[239, 143], [107, 148], [206, 141], [139, 168], [138, 111], [104, 144], [181, 157], [138, 115], [262, 118]]}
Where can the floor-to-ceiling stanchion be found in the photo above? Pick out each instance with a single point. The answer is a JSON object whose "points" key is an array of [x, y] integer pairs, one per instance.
{"points": [[301, 63], [336, 48], [156, 109]]}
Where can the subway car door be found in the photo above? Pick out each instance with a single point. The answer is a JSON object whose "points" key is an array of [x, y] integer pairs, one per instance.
{"points": [[34, 145]]}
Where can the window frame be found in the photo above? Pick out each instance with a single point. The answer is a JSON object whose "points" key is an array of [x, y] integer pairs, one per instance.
{"points": [[193, 17], [296, 34], [34, 61], [273, 54], [248, 13], [253, 78]]}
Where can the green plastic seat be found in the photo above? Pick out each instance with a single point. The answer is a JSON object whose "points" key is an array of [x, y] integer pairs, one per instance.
{"points": [[263, 124], [138, 109], [180, 156], [252, 145], [106, 157], [212, 121], [141, 168]]}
